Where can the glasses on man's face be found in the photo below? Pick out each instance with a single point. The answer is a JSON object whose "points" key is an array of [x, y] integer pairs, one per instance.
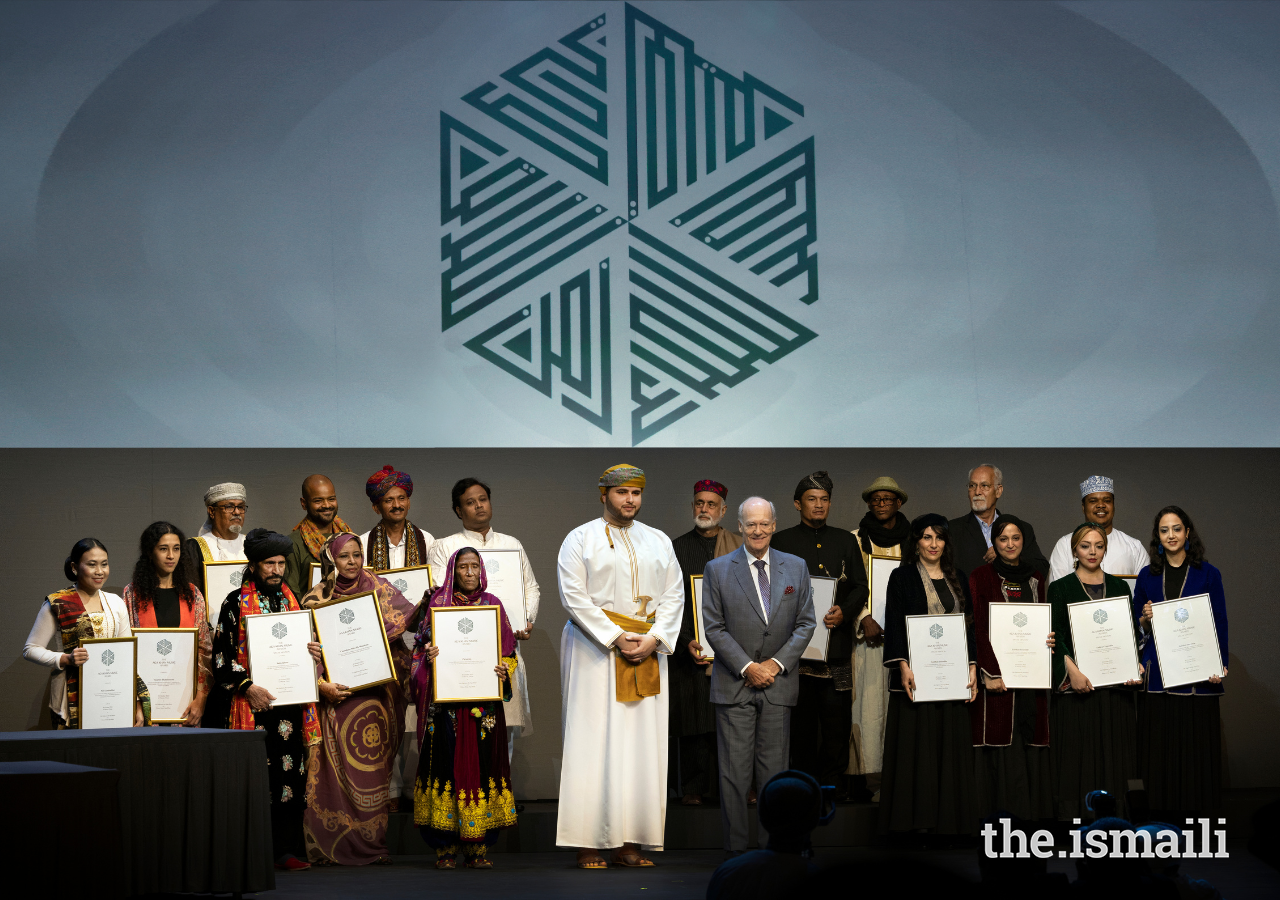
{"points": [[882, 501], [237, 508]]}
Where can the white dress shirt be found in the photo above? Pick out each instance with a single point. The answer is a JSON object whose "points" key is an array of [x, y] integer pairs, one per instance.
{"points": [[1125, 556], [755, 582]]}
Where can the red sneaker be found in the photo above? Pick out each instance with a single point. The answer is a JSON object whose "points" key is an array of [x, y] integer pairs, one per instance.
{"points": [[293, 864]]}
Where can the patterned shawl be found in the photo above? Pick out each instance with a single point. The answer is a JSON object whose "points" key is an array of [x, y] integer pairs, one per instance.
{"points": [[68, 609], [378, 553], [397, 611], [314, 539], [241, 713]]}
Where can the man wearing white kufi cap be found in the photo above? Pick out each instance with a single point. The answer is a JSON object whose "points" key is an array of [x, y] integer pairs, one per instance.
{"points": [[221, 536], [1125, 555]]}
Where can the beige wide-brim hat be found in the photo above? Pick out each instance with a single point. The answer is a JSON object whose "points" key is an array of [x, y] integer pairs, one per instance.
{"points": [[884, 483]]}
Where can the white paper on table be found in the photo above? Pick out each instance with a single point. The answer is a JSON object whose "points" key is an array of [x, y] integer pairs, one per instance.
{"points": [[415, 582], [220, 579], [353, 642], [699, 620], [1018, 633], [108, 683], [822, 592], [167, 660], [939, 657], [469, 639], [506, 582], [881, 568], [1186, 640], [278, 657], [1106, 649]]}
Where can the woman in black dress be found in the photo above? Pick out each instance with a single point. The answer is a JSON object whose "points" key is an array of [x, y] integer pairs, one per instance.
{"points": [[928, 783]]}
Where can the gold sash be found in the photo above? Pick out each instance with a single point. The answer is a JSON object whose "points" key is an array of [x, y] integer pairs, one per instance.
{"points": [[635, 680]]}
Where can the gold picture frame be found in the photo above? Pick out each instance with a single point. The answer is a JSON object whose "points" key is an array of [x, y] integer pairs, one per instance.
{"points": [[437, 611], [133, 685], [314, 695], [431, 579], [695, 596], [386, 644], [195, 663], [213, 605]]}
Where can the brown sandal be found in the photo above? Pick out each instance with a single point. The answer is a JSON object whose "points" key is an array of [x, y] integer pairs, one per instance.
{"points": [[479, 862], [447, 862], [631, 860], [593, 862]]}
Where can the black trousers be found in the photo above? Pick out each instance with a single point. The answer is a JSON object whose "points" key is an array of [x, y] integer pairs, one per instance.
{"points": [[692, 765], [821, 725]]}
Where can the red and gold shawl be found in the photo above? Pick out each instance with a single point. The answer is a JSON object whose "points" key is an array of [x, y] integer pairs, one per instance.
{"points": [[241, 713], [67, 609], [315, 539]]}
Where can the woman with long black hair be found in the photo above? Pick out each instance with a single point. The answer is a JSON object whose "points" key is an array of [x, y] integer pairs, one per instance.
{"points": [[1179, 728], [163, 594], [928, 783]]}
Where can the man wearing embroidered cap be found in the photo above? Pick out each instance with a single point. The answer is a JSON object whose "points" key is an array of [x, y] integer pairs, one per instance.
{"points": [[221, 536], [693, 718], [395, 542], [1125, 555], [621, 585]]}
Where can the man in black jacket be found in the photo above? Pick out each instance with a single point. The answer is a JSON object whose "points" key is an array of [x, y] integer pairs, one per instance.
{"points": [[971, 533], [822, 720]]}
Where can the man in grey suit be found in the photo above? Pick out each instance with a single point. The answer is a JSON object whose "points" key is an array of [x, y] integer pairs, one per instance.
{"points": [[759, 619]]}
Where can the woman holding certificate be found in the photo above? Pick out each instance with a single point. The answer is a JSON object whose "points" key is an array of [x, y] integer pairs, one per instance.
{"points": [[163, 594], [1010, 718], [1179, 735], [346, 817], [1093, 718], [80, 612], [463, 791], [927, 784]]}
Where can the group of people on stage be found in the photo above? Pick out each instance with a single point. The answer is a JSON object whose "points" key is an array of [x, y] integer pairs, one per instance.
{"points": [[647, 707]]}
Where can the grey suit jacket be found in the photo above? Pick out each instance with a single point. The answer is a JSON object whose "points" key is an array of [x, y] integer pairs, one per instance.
{"points": [[738, 633]]}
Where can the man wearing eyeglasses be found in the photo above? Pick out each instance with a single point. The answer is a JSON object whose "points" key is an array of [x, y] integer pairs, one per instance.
{"points": [[971, 533], [221, 536]]}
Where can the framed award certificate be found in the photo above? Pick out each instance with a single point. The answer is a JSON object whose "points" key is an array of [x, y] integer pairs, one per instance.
{"points": [[506, 582], [220, 579], [881, 568], [1018, 632], [939, 657], [278, 657], [313, 574], [699, 623], [822, 593], [470, 642], [353, 641], [1106, 651], [168, 661], [415, 582], [1186, 640], [108, 683]]}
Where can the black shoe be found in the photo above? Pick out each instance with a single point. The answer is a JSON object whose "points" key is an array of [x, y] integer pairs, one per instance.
{"points": [[519, 807]]}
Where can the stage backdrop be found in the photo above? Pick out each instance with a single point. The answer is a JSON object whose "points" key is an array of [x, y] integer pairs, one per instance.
{"points": [[673, 224], [51, 498]]}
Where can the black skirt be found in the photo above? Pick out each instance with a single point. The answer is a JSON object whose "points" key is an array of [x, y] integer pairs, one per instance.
{"points": [[1093, 745], [1017, 779], [927, 783], [691, 711], [1180, 752]]}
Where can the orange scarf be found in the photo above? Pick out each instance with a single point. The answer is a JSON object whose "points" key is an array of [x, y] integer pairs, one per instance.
{"points": [[315, 540]]}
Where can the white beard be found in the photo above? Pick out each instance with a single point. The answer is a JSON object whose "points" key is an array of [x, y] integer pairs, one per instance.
{"points": [[235, 529], [706, 524], [978, 504]]}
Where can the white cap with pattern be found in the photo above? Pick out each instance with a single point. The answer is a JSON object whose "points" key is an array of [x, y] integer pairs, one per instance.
{"points": [[1097, 484]]}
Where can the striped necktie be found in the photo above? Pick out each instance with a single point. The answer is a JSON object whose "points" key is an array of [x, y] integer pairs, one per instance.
{"points": [[763, 580]]}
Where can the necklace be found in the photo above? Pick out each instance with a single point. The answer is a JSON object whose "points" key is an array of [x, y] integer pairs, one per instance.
{"points": [[1164, 579]]}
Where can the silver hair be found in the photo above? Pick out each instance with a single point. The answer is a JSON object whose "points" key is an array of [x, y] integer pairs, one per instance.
{"points": [[773, 513], [996, 469]]}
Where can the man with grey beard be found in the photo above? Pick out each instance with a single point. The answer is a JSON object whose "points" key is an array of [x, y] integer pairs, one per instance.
{"points": [[692, 771], [971, 533], [220, 537]]}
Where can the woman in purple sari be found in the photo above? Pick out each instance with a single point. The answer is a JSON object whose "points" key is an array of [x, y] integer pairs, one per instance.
{"points": [[463, 791], [349, 772]]}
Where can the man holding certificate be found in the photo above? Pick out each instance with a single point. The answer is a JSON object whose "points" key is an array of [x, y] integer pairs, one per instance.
{"points": [[1182, 611], [1012, 623], [928, 750], [237, 702], [346, 821], [463, 795]]}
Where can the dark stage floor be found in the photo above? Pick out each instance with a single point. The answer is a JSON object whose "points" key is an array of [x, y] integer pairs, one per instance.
{"points": [[680, 875]]}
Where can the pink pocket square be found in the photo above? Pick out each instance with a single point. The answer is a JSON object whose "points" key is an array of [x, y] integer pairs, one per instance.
{"points": [[789, 590]]}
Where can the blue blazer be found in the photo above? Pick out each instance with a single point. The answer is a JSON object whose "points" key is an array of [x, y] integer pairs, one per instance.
{"points": [[1201, 579], [738, 633]]}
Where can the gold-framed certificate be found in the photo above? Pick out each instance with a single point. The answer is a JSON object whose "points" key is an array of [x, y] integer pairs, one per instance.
{"points": [[881, 567], [108, 683], [1019, 633], [470, 642], [220, 579], [415, 582], [1106, 648], [1186, 639], [169, 661], [822, 594], [505, 571], [938, 648], [699, 622], [353, 641], [278, 657]]}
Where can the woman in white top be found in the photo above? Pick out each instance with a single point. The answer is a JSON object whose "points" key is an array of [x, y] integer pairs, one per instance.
{"points": [[82, 610]]}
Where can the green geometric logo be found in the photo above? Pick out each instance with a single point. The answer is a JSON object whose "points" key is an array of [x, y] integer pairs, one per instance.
{"points": [[700, 221]]}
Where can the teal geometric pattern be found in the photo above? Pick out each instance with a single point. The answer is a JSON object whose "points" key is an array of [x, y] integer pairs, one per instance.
{"points": [[531, 221]]}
